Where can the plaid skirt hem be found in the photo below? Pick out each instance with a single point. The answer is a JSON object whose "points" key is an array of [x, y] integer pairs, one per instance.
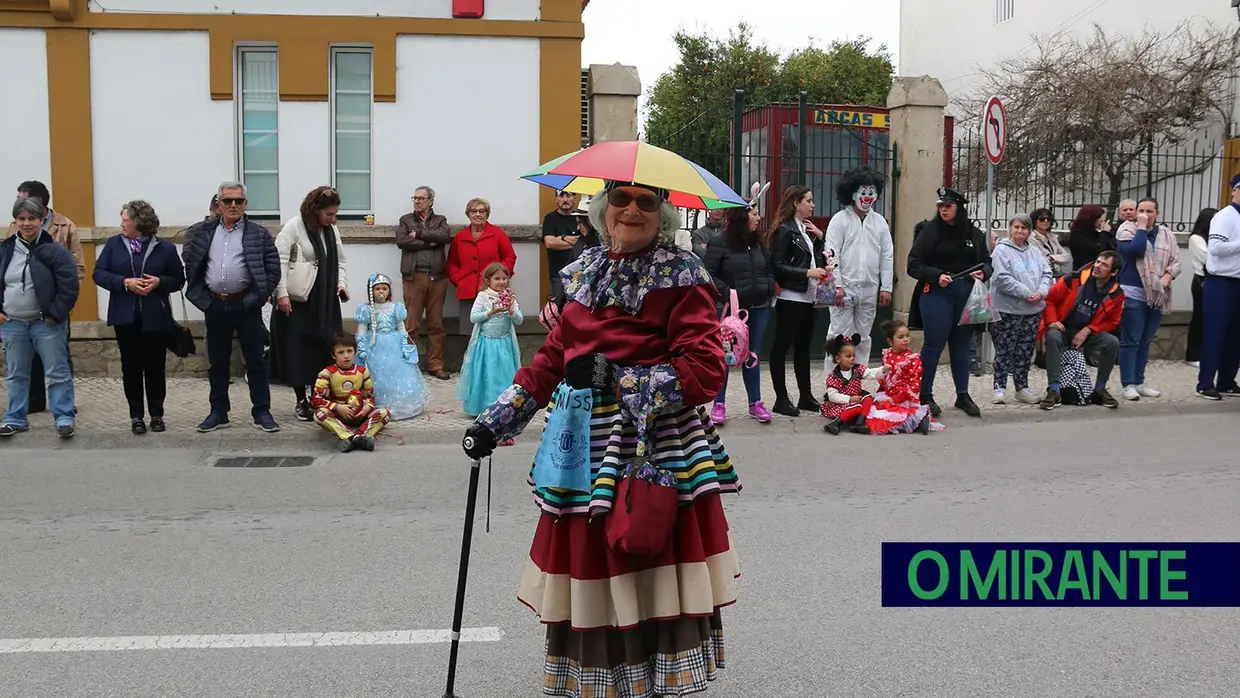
{"points": [[641, 662]]}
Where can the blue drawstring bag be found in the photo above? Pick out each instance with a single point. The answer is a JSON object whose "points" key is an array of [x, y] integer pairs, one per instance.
{"points": [[563, 459]]}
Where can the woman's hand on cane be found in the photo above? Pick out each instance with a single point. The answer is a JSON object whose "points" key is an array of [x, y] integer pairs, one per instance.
{"points": [[479, 442]]}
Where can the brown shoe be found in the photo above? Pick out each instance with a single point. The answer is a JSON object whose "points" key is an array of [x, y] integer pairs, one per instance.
{"points": [[442, 375]]}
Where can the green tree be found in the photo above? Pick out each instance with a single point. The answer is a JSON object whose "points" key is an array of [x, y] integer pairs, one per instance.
{"points": [[689, 108]]}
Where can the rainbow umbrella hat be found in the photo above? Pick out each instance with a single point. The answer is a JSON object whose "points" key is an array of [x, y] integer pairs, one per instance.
{"points": [[688, 183]]}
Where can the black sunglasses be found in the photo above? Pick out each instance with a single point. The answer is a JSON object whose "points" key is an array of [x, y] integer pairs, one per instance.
{"points": [[232, 202], [646, 202]]}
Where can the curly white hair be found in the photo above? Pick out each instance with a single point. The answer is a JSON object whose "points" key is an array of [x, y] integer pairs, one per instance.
{"points": [[669, 219]]}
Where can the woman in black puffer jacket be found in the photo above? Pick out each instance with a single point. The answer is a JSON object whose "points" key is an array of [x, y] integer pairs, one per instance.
{"points": [[738, 261], [799, 263]]}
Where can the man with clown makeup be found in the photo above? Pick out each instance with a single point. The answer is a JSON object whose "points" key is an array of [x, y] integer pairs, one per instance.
{"points": [[861, 245]]}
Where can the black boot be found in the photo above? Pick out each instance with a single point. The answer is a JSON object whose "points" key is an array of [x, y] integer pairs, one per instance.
{"points": [[785, 407], [833, 427], [345, 445], [924, 427], [808, 403], [858, 426], [935, 410]]}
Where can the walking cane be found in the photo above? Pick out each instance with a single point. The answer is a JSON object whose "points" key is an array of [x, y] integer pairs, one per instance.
{"points": [[463, 571]]}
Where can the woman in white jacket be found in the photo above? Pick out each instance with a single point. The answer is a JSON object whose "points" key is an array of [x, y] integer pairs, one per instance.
{"points": [[312, 287]]}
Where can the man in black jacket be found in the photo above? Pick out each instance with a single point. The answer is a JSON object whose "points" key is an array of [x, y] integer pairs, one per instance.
{"points": [[231, 269]]}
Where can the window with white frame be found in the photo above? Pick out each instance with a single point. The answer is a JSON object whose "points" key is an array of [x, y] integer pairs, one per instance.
{"points": [[1004, 10], [352, 97], [258, 103]]}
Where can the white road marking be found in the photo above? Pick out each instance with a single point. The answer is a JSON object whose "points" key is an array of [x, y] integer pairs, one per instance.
{"points": [[205, 642]]}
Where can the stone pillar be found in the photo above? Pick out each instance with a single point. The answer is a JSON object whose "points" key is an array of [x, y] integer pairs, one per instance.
{"points": [[613, 93], [917, 109]]}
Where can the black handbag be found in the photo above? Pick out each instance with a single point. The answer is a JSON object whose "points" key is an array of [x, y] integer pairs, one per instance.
{"points": [[180, 340]]}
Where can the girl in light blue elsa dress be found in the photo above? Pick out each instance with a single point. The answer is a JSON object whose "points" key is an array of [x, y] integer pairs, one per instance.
{"points": [[493, 356], [383, 347]]}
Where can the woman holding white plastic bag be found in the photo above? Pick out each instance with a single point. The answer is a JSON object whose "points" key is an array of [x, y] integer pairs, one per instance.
{"points": [[1021, 280], [948, 246]]}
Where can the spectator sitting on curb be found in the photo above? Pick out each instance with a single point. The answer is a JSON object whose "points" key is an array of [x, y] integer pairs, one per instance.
{"points": [[1082, 310]]}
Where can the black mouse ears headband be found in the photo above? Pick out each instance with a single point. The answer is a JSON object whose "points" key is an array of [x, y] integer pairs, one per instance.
{"points": [[841, 340]]}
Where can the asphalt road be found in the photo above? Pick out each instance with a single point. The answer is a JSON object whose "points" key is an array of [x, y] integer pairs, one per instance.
{"points": [[107, 544]]}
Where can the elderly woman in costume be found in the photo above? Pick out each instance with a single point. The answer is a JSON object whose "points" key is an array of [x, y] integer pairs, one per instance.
{"points": [[384, 348], [861, 245], [628, 613]]}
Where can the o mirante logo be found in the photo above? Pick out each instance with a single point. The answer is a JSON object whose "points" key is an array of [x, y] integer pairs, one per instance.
{"points": [[1061, 574]]}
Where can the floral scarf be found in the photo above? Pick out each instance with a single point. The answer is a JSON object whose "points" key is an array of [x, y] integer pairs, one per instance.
{"points": [[1162, 255]]}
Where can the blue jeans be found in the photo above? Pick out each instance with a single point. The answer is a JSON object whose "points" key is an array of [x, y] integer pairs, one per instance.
{"points": [[24, 339], [941, 309], [1136, 331], [752, 375]]}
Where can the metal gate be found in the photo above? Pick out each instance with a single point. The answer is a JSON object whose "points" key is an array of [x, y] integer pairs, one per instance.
{"points": [[786, 145]]}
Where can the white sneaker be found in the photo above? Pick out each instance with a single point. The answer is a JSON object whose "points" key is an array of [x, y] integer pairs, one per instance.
{"points": [[999, 397], [1147, 391], [1194, 364], [1130, 393], [1026, 396]]}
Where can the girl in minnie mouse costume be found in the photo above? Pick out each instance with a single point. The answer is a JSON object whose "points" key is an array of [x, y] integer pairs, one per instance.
{"points": [[847, 404]]}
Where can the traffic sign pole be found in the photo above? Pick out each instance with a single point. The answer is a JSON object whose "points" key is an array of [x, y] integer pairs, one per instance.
{"points": [[994, 121]]}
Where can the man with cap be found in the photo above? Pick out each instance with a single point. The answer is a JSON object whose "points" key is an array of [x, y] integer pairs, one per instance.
{"points": [[1220, 294], [559, 234], [947, 246]]}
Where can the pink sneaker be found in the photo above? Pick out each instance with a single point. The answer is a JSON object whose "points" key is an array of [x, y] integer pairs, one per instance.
{"points": [[759, 412], [718, 414]]}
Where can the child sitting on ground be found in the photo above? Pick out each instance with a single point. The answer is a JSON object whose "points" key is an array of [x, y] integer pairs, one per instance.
{"points": [[897, 408], [344, 399], [846, 403]]}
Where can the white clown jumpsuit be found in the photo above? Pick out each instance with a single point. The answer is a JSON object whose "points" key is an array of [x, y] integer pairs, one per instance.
{"points": [[863, 253]]}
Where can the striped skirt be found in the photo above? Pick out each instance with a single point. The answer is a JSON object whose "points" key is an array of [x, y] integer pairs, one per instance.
{"points": [[625, 626]]}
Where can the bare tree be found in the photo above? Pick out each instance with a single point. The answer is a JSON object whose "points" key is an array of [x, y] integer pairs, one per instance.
{"points": [[1082, 110]]}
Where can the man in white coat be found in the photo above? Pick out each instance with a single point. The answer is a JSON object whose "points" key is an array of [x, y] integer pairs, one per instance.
{"points": [[860, 241]]}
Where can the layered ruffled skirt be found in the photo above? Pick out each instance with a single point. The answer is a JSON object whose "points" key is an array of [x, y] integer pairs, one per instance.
{"points": [[626, 626]]}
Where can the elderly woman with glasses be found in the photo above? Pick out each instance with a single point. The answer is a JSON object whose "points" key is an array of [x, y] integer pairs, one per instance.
{"points": [[38, 289], [630, 608], [474, 249], [1047, 242]]}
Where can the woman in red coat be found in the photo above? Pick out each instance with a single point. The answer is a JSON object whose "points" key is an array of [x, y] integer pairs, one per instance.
{"points": [[471, 251], [639, 332]]}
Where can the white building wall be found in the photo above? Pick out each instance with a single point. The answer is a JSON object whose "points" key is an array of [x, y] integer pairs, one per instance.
{"points": [[25, 150], [969, 29], [465, 122], [495, 9], [305, 152], [157, 133]]}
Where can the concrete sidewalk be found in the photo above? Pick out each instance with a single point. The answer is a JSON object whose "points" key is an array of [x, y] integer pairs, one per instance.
{"points": [[103, 420]]}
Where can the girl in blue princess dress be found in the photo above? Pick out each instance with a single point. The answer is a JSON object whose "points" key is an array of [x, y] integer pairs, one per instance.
{"points": [[493, 356], [383, 347]]}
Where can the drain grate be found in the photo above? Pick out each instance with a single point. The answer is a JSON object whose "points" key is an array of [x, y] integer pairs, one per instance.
{"points": [[264, 462]]}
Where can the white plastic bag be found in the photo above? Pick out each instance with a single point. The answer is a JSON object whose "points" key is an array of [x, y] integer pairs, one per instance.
{"points": [[978, 310]]}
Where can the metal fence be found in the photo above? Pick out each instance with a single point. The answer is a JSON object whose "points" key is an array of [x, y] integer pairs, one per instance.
{"points": [[783, 144], [1184, 179]]}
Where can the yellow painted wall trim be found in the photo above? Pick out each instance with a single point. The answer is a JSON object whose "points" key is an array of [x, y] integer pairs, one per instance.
{"points": [[69, 130], [1231, 167], [304, 59], [559, 117], [561, 10], [64, 10]]}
